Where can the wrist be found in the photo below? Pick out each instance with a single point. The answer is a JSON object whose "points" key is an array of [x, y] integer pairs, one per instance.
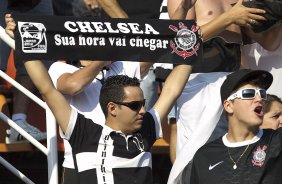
{"points": [[226, 19], [185, 7]]}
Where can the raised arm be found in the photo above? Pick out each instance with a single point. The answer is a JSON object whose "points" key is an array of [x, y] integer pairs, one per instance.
{"points": [[54, 99], [238, 14], [270, 39], [74, 83], [42, 81], [178, 9], [172, 89], [112, 8]]}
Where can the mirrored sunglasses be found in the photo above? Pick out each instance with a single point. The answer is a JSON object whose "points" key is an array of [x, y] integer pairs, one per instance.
{"points": [[134, 105], [248, 93]]}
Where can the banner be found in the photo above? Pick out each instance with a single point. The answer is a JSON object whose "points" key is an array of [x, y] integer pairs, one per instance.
{"points": [[87, 38]]}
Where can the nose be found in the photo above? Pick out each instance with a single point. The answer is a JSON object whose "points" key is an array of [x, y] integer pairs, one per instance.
{"points": [[257, 97], [280, 121], [142, 110]]}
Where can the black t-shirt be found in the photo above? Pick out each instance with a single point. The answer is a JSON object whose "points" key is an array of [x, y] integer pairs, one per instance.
{"points": [[260, 164]]}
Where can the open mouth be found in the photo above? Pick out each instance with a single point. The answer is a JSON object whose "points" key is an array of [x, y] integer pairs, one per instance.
{"points": [[259, 111]]}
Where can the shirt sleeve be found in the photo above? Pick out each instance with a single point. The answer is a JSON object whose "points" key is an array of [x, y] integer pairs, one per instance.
{"points": [[71, 125], [59, 68], [151, 127]]}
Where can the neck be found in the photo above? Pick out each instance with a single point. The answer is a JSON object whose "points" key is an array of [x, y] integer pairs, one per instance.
{"points": [[239, 134], [115, 126]]}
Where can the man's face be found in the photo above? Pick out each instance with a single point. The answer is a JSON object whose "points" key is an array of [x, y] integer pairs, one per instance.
{"points": [[248, 112], [129, 118]]}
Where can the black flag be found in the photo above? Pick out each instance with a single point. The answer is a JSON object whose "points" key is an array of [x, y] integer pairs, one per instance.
{"points": [[75, 38]]}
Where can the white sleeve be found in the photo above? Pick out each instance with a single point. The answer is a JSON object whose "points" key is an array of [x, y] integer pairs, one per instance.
{"points": [[158, 126], [71, 125], [59, 68]]}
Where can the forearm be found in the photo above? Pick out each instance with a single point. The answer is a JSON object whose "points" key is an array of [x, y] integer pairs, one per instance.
{"points": [[144, 68], [172, 89], [39, 76], [112, 8], [270, 39], [178, 9], [215, 27], [74, 83], [179, 13], [54, 99]]}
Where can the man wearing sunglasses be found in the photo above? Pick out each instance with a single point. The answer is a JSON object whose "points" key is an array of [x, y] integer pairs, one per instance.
{"points": [[246, 153], [119, 151], [81, 87]]}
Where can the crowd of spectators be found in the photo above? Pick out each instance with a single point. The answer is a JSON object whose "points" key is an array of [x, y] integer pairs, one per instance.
{"points": [[236, 36]]}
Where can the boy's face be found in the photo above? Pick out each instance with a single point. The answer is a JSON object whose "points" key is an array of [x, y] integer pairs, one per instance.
{"points": [[247, 112], [130, 119]]}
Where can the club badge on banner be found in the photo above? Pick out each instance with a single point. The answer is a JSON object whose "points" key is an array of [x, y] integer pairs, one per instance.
{"points": [[74, 38]]}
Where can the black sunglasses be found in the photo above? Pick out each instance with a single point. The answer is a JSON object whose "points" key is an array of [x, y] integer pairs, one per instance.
{"points": [[134, 105]]}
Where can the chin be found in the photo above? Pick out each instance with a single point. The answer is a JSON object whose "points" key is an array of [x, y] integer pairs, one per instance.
{"points": [[137, 127]]}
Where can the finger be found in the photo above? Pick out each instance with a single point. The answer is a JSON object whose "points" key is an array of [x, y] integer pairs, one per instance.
{"points": [[252, 22], [256, 11], [258, 17], [239, 2], [88, 6], [8, 15], [7, 20], [249, 26], [95, 6], [11, 23]]}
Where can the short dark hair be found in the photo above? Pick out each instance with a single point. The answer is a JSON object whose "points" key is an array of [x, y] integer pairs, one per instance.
{"points": [[270, 99], [113, 90]]}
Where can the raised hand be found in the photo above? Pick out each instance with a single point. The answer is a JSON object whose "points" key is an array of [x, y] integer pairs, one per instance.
{"points": [[10, 25], [244, 16]]}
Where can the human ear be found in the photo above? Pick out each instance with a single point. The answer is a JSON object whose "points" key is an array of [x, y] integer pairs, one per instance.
{"points": [[112, 109], [228, 106]]}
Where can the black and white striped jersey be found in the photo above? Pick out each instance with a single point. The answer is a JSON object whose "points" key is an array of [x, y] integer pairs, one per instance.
{"points": [[261, 163], [104, 156]]}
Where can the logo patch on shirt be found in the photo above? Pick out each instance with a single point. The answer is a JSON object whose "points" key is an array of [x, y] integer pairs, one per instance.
{"points": [[259, 156], [213, 166]]}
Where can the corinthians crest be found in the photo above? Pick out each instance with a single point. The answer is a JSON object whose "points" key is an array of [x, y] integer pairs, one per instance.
{"points": [[259, 156], [185, 43]]}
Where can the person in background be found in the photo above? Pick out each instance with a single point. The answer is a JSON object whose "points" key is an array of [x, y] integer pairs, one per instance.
{"points": [[255, 57], [272, 113]]}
